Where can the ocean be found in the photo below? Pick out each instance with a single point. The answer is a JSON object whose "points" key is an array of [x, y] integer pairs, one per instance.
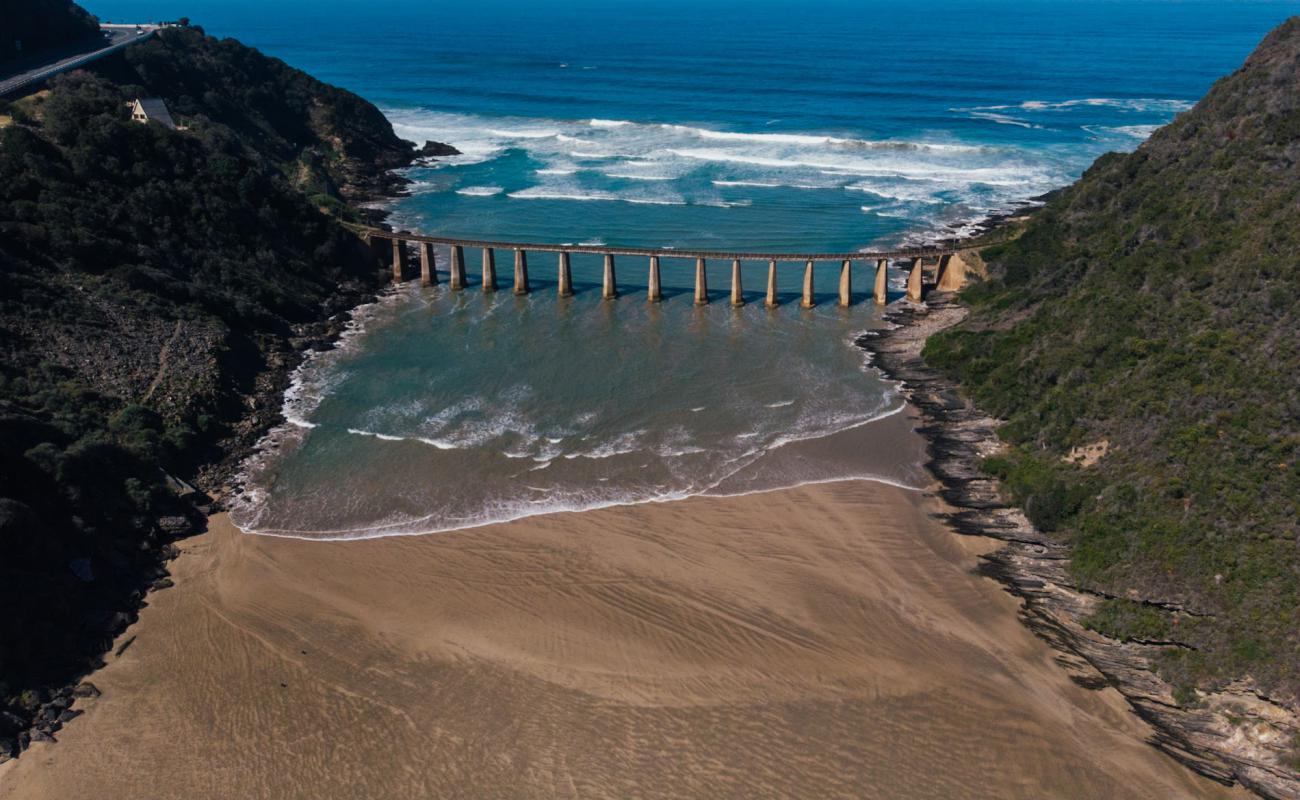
{"points": [[716, 124]]}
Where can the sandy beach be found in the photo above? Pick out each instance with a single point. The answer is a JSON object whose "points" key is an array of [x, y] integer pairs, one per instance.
{"points": [[824, 641]]}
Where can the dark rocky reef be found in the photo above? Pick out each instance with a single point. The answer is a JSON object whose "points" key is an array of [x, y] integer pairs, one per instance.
{"points": [[436, 149]]}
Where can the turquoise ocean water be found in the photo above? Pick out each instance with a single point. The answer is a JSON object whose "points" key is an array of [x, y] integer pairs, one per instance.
{"points": [[714, 124]]}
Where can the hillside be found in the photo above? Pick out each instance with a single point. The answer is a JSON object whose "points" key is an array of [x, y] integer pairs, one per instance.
{"points": [[327, 141], [156, 286], [34, 26], [1151, 311]]}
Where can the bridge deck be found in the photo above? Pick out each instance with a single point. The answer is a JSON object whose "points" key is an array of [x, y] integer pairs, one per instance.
{"points": [[663, 252], [123, 36]]}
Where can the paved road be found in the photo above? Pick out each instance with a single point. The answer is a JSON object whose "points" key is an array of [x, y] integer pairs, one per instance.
{"points": [[120, 36]]}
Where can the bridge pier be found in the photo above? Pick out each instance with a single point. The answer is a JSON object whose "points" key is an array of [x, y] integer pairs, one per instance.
{"points": [[953, 276], [401, 259], [846, 283], [655, 293], [521, 272], [457, 267], [882, 281], [566, 276], [737, 293], [807, 301], [701, 283], [489, 270], [608, 289], [770, 301], [914, 282], [428, 265]]}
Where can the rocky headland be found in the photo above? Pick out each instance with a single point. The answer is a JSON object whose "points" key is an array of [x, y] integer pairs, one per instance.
{"points": [[1117, 402]]}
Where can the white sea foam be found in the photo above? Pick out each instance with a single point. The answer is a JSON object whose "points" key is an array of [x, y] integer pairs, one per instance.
{"points": [[605, 150], [479, 191]]}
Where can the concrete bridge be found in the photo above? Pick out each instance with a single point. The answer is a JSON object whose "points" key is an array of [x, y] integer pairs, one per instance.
{"points": [[394, 248]]}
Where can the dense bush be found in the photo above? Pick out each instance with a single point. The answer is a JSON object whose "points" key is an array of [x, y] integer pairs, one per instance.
{"points": [[32, 26], [1153, 305], [148, 278]]}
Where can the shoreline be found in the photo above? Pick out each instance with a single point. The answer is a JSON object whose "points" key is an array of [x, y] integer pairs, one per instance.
{"points": [[1033, 567], [837, 632]]}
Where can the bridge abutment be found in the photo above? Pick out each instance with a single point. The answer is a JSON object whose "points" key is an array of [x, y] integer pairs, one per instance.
{"points": [[737, 291], [882, 282], [846, 283], [701, 283], [807, 301], [770, 301], [953, 276]]}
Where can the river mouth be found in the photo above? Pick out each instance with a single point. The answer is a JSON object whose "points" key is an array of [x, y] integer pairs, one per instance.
{"points": [[448, 409]]}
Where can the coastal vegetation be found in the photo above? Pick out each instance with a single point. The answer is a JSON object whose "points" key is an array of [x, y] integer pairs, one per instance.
{"points": [[1150, 311], [156, 286], [34, 26]]}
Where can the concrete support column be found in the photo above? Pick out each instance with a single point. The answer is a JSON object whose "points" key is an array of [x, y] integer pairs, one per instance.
{"points": [[807, 301], [521, 272], [953, 277], [457, 267], [566, 276], [608, 288], [737, 293], [489, 270], [914, 282], [701, 283], [428, 265], [846, 283], [882, 281], [941, 268], [655, 293], [401, 259], [770, 301]]}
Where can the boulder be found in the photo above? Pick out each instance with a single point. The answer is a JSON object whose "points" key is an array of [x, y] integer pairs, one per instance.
{"points": [[174, 525], [86, 689], [437, 149]]}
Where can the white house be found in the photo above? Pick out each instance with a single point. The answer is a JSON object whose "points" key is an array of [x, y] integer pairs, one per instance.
{"points": [[146, 109]]}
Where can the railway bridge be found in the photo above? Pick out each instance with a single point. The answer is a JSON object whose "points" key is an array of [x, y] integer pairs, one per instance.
{"points": [[949, 266]]}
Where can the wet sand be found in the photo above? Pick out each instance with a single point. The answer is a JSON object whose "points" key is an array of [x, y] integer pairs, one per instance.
{"points": [[824, 641]]}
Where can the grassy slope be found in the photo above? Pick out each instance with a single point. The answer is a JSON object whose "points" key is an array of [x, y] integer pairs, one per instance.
{"points": [[1154, 304]]}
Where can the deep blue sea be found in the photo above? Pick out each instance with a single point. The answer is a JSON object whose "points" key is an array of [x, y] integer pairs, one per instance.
{"points": [[715, 123]]}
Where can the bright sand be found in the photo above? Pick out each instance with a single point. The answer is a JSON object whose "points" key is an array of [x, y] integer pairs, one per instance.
{"points": [[824, 641]]}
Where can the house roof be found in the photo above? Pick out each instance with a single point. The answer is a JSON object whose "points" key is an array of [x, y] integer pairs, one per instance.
{"points": [[155, 109]]}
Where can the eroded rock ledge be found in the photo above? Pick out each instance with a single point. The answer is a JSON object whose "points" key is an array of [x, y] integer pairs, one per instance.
{"points": [[1236, 735]]}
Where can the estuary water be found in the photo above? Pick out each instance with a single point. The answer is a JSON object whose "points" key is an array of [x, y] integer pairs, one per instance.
{"points": [[755, 125]]}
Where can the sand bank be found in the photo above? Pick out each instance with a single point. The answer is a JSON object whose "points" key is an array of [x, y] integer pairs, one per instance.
{"points": [[824, 641]]}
